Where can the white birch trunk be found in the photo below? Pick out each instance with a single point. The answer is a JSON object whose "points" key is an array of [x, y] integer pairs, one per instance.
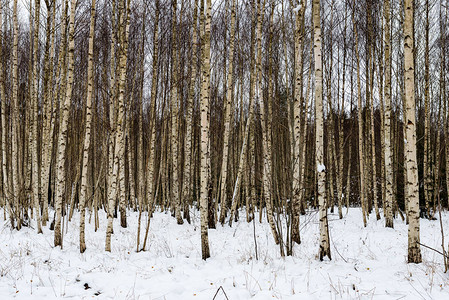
{"points": [[90, 82], [388, 146], [62, 138], [204, 107], [414, 251], [324, 249], [35, 119]]}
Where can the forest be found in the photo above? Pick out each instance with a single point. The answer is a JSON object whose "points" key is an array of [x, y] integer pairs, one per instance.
{"points": [[222, 113]]}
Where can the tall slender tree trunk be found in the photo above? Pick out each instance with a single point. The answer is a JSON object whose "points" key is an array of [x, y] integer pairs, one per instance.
{"points": [[247, 136], [362, 189], [228, 117], [62, 138], [174, 116], [16, 178], [387, 95], [380, 81], [414, 251], [370, 99], [304, 133], [187, 190], [266, 130], [252, 87], [49, 115], [28, 132], [373, 164], [152, 138], [125, 12], [8, 196], [319, 135], [204, 107], [331, 130], [140, 151], [35, 118], [90, 83], [119, 149], [112, 113], [404, 127], [445, 121], [267, 120], [340, 176], [297, 141], [426, 167]]}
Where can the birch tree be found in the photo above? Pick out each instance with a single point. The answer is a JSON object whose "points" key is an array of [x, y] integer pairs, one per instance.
{"points": [[8, 196], [15, 122], [35, 117], [174, 116], [205, 92], [89, 95], [187, 190], [62, 137], [228, 116], [363, 199], [414, 251], [298, 142], [49, 113], [319, 135], [388, 119], [119, 148]]}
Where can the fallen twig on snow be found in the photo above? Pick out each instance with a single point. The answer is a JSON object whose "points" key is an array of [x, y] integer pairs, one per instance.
{"points": [[224, 293], [428, 247]]}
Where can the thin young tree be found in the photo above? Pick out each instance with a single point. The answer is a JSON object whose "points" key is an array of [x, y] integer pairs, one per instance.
{"points": [[426, 164], [297, 141], [228, 117], [362, 189], [175, 116], [35, 117], [140, 150], [204, 107], [119, 148], [16, 178], [6, 179], [388, 119], [49, 114], [324, 249], [63, 127], [187, 190], [124, 18], [89, 95]]}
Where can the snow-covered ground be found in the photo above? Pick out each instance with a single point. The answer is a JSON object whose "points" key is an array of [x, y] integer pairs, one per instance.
{"points": [[366, 262]]}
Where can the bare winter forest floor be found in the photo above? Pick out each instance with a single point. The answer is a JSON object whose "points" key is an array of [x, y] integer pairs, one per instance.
{"points": [[367, 262]]}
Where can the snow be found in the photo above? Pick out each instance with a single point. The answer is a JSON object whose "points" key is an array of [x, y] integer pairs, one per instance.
{"points": [[367, 263], [297, 8], [321, 168]]}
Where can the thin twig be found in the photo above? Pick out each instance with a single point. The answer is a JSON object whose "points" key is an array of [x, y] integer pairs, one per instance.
{"points": [[224, 293], [346, 261], [439, 252], [442, 230], [255, 240]]}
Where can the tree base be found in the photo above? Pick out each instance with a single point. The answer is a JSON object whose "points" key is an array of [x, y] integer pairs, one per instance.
{"points": [[325, 252]]}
